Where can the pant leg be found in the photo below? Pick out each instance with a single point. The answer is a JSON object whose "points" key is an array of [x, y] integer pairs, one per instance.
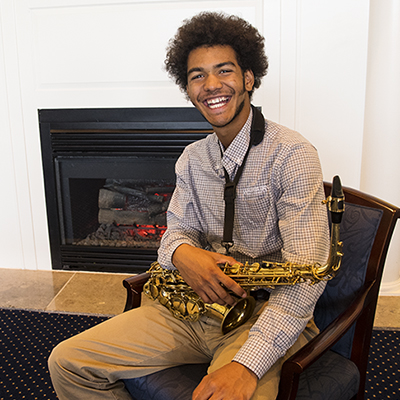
{"points": [[91, 364], [268, 385]]}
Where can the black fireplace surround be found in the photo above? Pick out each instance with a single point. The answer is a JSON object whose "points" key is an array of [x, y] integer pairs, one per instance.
{"points": [[109, 175]]}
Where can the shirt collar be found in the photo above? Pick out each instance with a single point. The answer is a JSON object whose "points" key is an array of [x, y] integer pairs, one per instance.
{"points": [[233, 156]]}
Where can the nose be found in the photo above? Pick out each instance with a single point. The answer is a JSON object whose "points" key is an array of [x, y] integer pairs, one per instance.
{"points": [[212, 83]]}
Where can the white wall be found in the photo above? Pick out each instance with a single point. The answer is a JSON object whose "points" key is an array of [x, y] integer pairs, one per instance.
{"points": [[109, 53]]}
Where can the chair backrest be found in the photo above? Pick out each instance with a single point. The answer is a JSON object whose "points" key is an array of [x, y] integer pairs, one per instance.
{"points": [[366, 230]]}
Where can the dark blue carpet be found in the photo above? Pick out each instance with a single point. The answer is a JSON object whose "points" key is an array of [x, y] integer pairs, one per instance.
{"points": [[383, 374], [27, 338]]}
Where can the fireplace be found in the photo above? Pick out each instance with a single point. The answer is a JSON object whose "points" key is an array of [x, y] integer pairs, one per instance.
{"points": [[109, 177]]}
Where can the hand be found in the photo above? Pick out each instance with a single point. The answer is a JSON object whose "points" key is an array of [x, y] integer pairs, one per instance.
{"points": [[231, 382], [199, 268]]}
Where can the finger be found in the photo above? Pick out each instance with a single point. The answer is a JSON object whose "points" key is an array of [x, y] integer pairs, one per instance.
{"points": [[218, 295], [223, 259], [223, 297], [210, 291], [223, 300], [217, 290], [205, 297], [202, 391], [230, 284]]}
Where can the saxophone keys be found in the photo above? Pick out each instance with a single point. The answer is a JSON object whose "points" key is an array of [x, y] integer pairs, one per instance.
{"points": [[228, 269], [253, 268], [178, 305], [164, 296], [186, 306], [195, 309], [151, 290]]}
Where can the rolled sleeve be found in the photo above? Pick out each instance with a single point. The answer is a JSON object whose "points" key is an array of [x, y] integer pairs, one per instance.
{"points": [[284, 318]]}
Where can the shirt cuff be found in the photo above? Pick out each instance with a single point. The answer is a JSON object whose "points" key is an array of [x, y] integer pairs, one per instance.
{"points": [[257, 356]]}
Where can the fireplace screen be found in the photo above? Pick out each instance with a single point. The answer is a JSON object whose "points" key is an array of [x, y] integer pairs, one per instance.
{"points": [[114, 202], [109, 177], [132, 213]]}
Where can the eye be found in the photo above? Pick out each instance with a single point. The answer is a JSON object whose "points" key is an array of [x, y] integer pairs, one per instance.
{"points": [[195, 77]]}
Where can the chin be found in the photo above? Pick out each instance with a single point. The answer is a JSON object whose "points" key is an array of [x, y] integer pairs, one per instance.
{"points": [[218, 116]]}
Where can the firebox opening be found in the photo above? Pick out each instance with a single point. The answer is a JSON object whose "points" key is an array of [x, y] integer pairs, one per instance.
{"points": [[114, 203], [119, 212]]}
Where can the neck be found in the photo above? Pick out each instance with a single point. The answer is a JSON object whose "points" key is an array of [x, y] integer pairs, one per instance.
{"points": [[226, 134]]}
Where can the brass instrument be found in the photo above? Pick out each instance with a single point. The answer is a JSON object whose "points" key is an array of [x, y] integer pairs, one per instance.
{"points": [[171, 290]]}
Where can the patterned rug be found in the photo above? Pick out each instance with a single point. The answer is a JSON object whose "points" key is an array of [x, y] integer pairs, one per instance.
{"points": [[27, 338], [383, 374]]}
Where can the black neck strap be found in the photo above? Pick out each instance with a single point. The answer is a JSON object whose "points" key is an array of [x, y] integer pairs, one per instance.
{"points": [[256, 136]]}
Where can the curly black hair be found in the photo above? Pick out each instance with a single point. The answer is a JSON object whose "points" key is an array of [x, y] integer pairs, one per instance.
{"points": [[216, 29]]}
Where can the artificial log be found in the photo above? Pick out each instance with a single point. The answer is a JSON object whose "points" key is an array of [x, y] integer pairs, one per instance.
{"points": [[126, 217], [111, 199], [135, 192]]}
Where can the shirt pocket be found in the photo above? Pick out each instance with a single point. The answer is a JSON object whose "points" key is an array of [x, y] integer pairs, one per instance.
{"points": [[255, 203]]}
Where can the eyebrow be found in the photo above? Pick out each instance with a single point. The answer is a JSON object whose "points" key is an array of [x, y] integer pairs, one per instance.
{"points": [[223, 64]]}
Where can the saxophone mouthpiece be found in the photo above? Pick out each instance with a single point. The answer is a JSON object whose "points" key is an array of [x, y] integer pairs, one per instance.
{"points": [[336, 206], [337, 190]]}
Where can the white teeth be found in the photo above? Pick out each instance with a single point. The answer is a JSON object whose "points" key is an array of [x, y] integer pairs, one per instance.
{"points": [[215, 105], [218, 102], [219, 99]]}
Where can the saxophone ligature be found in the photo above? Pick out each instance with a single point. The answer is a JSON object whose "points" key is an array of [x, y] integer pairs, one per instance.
{"points": [[169, 288]]}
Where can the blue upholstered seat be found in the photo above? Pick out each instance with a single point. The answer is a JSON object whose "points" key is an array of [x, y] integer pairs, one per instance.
{"points": [[333, 376]]}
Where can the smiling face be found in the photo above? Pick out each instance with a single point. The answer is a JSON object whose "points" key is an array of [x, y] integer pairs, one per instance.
{"points": [[218, 88]]}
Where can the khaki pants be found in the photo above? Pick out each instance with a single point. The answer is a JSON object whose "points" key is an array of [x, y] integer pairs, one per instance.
{"points": [[146, 340]]}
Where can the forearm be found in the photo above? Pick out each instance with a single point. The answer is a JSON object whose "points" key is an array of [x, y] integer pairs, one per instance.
{"points": [[278, 327], [171, 241]]}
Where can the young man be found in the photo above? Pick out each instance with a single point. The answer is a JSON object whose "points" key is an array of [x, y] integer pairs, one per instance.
{"points": [[218, 61]]}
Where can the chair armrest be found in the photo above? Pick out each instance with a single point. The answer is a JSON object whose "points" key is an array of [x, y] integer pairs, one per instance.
{"points": [[134, 288], [313, 350]]}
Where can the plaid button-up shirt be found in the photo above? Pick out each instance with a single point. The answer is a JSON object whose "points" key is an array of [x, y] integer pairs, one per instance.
{"points": [[279, 216]]}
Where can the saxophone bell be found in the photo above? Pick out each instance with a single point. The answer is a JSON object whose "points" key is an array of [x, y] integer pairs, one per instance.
{"points": [[232, 316]]}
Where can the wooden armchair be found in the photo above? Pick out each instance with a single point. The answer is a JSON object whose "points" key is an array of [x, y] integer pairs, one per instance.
{"points": [[332, 365]]}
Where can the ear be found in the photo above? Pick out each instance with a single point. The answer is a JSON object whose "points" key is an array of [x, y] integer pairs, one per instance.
{"points": [[248, 80]]}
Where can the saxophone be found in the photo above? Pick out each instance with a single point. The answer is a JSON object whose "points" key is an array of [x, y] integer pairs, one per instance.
{"points": [[169, 288]]}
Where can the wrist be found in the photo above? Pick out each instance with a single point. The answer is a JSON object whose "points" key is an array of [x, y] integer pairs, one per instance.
{"points": [[247, 370], [180, 253]]}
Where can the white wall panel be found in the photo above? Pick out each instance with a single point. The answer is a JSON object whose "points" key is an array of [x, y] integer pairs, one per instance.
{"points": [[269, 94], [17, 249], [381, 146], [109, 55], [10, 239], [328, 62]]}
